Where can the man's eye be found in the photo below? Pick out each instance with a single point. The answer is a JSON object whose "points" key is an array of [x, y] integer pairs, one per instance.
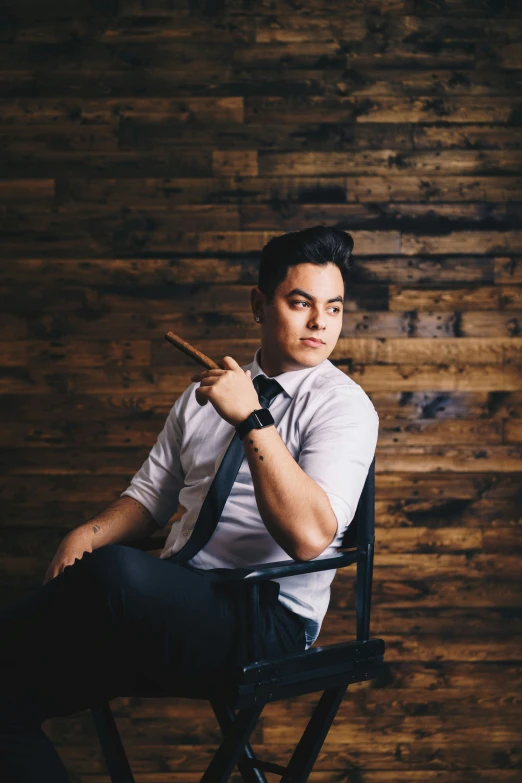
{"points": [[337, 309]]}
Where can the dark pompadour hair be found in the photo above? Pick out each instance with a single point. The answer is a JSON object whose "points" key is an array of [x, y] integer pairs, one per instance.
{"points": [[317, 245]]}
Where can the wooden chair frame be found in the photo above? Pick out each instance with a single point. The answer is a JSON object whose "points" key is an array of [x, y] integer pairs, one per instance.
{"points": [[239, 695]]}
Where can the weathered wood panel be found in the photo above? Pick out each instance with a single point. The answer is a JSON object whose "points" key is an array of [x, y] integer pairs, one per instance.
{"points": [[147, 152]]}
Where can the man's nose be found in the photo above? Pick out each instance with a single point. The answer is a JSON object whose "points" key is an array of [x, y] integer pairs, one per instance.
{"points": [[317, 322]]}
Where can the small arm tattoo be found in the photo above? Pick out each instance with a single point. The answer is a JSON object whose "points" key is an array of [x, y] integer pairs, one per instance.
{"points": [[96, 529], [255, 449]]}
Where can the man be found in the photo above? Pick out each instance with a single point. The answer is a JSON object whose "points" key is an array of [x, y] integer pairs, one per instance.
{"points": [[119, 612]]}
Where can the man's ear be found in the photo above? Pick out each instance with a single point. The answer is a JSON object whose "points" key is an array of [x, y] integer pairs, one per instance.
{"points": [[256, 297]]}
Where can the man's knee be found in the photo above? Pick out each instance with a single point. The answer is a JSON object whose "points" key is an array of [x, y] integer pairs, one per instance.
{"points": [[109, 565], [116, 572]]}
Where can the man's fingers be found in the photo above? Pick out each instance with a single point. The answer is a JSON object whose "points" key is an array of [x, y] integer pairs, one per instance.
{"points": [[53, 572], [227, 363], [208, 381], [206, 374], [231, 362]]}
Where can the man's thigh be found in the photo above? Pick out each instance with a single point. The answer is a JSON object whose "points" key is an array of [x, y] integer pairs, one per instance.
{"points": [[116, 614], [170, 619]]}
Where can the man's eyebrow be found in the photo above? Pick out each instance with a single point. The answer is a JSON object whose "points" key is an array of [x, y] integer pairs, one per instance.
{"points": [[309, 296]]}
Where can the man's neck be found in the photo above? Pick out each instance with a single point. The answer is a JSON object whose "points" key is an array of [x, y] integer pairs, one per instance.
{"points": [[260, 362], [273, 371]]}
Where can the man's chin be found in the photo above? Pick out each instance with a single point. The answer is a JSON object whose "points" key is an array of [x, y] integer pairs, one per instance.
{"points": [[298, 357], [308, 356]]}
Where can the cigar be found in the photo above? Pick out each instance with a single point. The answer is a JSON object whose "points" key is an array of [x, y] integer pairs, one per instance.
{"points": [[189, 350]]}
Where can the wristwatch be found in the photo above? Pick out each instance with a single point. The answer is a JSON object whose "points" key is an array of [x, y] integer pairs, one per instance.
{"points": [[256, 421]]}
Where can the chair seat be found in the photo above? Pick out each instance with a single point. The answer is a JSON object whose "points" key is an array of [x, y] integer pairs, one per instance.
{"points": [[269, 680]]}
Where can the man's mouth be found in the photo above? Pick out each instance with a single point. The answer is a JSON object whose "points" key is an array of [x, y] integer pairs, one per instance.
{"points": [[313, 340]]}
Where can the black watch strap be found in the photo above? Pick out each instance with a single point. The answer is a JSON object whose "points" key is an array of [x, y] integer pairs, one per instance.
{"points": [[256, 421]]}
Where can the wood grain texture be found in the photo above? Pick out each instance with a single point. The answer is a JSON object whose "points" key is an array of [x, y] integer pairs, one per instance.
{"points": [[147, 152]]}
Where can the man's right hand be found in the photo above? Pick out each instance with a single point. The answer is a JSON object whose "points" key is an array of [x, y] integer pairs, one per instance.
{"points": [[72, 548]]}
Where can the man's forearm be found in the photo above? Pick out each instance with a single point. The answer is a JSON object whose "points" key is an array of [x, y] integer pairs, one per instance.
{"points": [[295, 509], [123, 520]]}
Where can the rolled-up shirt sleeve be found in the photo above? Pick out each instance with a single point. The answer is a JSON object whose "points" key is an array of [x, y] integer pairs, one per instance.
{"points": [[338, 446], [160, 479]]}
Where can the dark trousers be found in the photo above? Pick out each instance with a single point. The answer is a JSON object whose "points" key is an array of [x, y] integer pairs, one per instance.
{"points": [[102, 625]]}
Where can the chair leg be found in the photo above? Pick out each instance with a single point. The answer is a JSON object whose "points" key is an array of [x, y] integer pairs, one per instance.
{"points": [[226, 716], [232, 746], [303, 759], [112, 746]]}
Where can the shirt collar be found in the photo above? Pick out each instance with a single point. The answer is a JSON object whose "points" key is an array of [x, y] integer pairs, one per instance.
{"points": [[289, 381]]}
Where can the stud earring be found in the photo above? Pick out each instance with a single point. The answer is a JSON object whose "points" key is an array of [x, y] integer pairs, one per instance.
{"points": [[257, 318]]}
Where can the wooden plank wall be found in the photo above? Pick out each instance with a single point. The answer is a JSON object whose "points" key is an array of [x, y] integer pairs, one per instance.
{"points": [[148, 150]]}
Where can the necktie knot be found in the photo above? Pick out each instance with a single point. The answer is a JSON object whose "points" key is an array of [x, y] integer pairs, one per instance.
{"points": [[267, 389]]}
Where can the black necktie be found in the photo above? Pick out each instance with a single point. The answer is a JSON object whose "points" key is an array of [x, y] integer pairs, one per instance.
{"points": [[210, 513]]}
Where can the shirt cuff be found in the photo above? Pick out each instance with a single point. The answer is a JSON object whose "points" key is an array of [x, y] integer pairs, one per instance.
{"points": [[342, 512]]}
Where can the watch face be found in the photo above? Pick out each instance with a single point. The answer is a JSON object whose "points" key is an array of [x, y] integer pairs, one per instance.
{"points": [[264, 416]]}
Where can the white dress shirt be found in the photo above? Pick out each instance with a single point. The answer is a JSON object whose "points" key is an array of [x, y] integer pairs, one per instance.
{"points": [[329, 426]]}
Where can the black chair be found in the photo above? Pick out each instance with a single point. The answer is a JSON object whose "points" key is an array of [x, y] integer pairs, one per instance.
{"points": [[238, 695]]}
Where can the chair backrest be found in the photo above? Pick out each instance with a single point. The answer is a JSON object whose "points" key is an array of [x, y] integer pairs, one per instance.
{"points": [[360, 534], [361, 530]]}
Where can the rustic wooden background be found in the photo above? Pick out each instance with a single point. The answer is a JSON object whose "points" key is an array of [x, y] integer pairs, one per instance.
{"points": [[148, 150]]}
